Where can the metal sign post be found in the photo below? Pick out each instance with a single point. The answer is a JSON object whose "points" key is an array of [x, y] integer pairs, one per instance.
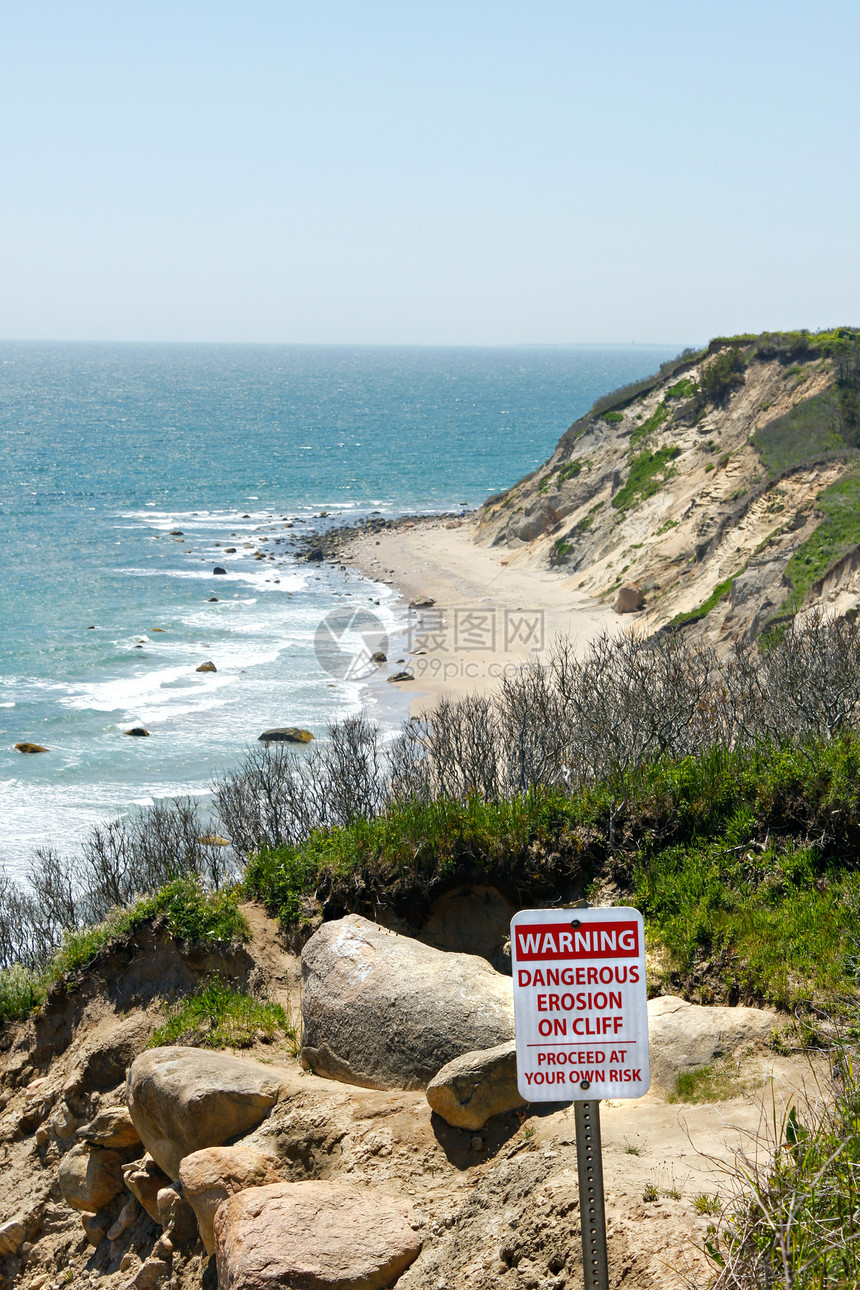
{"points": [[592, 1216], [580, 1007]]}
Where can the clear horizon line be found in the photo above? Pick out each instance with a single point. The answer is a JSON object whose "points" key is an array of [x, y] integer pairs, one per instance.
{"points": [[359, 344]]}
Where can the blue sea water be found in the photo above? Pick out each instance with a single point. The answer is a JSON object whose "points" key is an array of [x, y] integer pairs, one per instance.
{"points": [[106, 448]]}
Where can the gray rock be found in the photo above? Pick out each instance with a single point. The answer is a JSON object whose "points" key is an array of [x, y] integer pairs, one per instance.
{"points": [[385, 1011], [687, 1036], [472, 1088], [285, 735], [316, 1235], [184, 1099]]}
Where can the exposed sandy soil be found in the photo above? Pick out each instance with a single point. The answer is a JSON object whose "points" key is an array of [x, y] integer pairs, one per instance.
{"points": [[499, 1208], [489, 614]]}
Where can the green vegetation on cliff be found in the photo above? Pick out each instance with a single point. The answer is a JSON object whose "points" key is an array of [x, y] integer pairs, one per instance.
{"points": [[745, 882]]}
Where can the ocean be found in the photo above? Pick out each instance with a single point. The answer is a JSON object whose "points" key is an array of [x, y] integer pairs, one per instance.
{"points": [[106, 614]]}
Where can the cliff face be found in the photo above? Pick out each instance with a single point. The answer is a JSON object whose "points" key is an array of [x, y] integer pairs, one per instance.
{"points": [[727, 487]]}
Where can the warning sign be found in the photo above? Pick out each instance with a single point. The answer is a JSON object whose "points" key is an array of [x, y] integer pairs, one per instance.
{"points": [[580, 1004]]}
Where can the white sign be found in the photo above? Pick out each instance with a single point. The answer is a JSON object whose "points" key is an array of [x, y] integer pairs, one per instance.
{"points": [[580, 1004]]}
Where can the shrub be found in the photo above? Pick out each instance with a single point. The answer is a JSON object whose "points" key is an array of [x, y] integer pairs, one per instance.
{"points": [[796, 1220], [719, 377]]}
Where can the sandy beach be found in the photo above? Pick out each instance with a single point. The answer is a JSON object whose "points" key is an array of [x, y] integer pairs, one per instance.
{"points": [[490, 611]]}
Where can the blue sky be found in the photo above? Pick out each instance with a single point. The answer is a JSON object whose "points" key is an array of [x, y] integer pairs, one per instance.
{"points": [[427, 173]]}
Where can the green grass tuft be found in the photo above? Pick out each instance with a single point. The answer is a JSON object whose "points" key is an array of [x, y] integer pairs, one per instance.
{"points": [[649, 471], [721, 590], [837, 534], [810, 430], [218, 1016], [646, 429]]}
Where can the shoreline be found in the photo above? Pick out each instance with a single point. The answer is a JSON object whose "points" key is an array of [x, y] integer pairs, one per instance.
{"points": [[486, 613]]}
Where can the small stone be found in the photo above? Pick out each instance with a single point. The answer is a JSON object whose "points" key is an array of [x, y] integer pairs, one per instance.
{"points": [[150, 1272], [402, 676], [127, 1261], [477, 1143], [30, 748], [95, 1228], [112, 1127], [213, 600], [209, 666], [124, 1219], [422, 602], [467, 1091], [218, 569], [144, 1180], [12, 1235], [137, 732]]}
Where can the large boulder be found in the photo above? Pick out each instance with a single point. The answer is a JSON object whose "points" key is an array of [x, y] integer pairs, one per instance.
{"points": [[90, 1177], [183, 1099], [476, 1086], [208, 1177], [385, 1011], [687, 1036], [312, 1236], [629, 599]]}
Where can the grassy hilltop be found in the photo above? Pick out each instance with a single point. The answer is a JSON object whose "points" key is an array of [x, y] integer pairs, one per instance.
{"points": [[727, 486]]}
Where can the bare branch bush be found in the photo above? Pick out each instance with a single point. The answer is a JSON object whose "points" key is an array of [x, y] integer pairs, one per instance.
{"points": [[573, 721]]}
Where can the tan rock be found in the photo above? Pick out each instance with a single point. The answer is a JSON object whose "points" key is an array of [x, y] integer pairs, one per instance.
{"points": [[90, 1177], [144, 1179], [472, 1088], [184, 1099], [686, 1036], [112, 1127], [316, 1235], [30, 748], [12, 1236], [208, 666], [629, 599], [208, 1177], [150, 1273], [175, 1214], [96, 1228], [386, 1011]]}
